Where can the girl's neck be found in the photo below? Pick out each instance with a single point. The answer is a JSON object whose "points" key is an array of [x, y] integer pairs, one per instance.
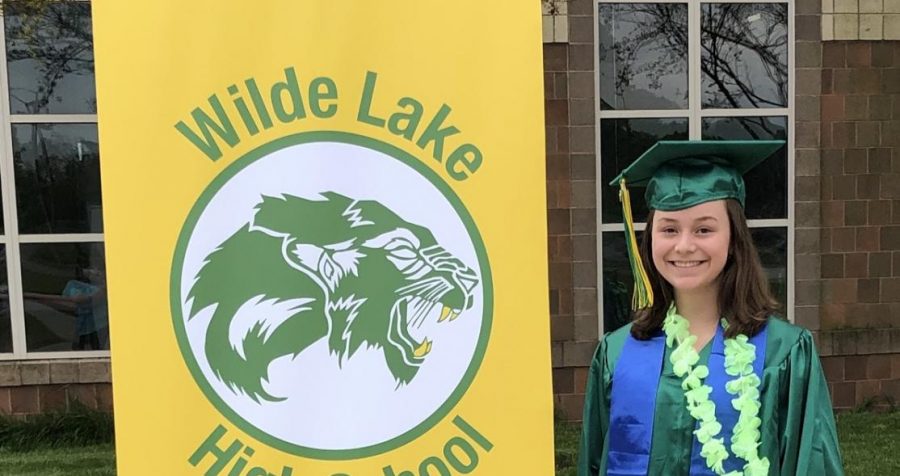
{"points": [[701, 309]]}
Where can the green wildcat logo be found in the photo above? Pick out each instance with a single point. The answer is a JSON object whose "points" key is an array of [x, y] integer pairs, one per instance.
{"points": [[360, 275], [331, 295]]}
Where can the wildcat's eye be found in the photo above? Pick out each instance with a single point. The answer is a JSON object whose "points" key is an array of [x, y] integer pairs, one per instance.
{"points": [[397, 243], [407, 265], [403, 253], [399, 237]]}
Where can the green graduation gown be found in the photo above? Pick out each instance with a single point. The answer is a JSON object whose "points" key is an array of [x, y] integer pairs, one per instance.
{"points": [[798, 433]]}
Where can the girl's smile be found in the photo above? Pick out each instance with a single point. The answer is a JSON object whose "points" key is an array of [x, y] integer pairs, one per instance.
{"points": [[686, 264]]}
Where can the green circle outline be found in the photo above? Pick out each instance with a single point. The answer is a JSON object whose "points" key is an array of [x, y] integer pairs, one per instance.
{"points": [[178, 320]]}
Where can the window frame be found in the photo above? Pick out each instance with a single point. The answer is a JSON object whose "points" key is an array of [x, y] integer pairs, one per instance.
{"points": [[11, 240], [695, 114]]}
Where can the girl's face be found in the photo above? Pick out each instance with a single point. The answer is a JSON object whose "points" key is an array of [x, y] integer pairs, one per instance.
{"points": [[690, 246]]}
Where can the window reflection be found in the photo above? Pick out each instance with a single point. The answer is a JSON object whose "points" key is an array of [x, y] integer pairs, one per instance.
{"points": [[49, 49], [621, 142], [57, 170], [618, 283], [64, 288], [744, 55], [767, 182], [643, 56], [771, 243], [5, 325]]}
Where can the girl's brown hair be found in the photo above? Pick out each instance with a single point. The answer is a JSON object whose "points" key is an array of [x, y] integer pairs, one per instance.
{"points": [[744, 295]]}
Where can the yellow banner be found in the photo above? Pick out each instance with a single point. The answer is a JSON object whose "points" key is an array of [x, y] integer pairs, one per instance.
{"points": [[325, 229]]}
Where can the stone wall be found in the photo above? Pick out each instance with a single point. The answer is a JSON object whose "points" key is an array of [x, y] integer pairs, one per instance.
{"points": [[32, 387]]}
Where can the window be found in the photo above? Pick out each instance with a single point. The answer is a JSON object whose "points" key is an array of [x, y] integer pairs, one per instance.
{"points": [[693, 70], [53, 283]]}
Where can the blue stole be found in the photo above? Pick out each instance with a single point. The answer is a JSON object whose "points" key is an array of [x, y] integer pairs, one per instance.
{"points": [[633, 403]]}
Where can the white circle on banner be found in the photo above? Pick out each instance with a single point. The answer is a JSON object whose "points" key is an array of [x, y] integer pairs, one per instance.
{"points": [[338, 374]]}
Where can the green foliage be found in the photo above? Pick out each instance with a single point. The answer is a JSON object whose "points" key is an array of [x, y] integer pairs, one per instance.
{"points": [[78, 427], [877, 403]]}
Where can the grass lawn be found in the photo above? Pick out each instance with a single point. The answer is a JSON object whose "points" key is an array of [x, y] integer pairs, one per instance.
{"points": [[869, 443], [97, 460]]}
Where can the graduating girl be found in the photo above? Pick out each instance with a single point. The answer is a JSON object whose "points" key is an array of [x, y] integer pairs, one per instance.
{"points": [[705, 380]]}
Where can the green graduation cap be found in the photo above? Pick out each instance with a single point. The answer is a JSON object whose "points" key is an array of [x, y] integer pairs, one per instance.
{"points": [[679, 175]]}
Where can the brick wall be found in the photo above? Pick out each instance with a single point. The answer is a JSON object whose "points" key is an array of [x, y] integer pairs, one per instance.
{"points": [[571, 207], [859, 235], [863, 380], [28, 388]]}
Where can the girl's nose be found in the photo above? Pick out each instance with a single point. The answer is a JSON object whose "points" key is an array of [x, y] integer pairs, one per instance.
{"points": [[685, 244]]}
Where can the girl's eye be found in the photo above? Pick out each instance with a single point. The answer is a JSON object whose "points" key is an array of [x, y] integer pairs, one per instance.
{"points": [[668, 231], [703, 231]]}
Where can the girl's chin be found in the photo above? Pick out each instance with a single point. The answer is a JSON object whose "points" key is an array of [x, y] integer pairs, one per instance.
{"points": [[686, 285]]}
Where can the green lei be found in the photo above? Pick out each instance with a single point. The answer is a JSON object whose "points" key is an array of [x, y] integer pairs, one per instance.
{"points": [[739, 357]]}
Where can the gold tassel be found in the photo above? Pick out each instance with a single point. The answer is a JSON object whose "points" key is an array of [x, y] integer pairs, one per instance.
{"points": [[643, 292]]}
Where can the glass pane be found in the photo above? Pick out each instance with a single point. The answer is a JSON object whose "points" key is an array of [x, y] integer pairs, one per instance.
{"points": [[64, 288], [5, 325], [767, 182], [771, 243], [744, 55], [622, 141], [57, 178], [643, 56], [618, 282], [50, 54]]}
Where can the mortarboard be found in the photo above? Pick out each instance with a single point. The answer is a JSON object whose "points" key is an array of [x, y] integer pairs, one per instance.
{"points": [[679, 175]]}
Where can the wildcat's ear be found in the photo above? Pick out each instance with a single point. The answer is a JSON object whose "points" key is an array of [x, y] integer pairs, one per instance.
{"points": [[334, 266], [336, 197]]}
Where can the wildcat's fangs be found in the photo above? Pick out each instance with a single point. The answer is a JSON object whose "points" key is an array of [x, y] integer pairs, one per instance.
{"points": [[446, 311]]}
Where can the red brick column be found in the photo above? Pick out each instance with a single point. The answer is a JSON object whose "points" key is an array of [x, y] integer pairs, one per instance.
{"points": [[860, 221], [571, 206]]}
